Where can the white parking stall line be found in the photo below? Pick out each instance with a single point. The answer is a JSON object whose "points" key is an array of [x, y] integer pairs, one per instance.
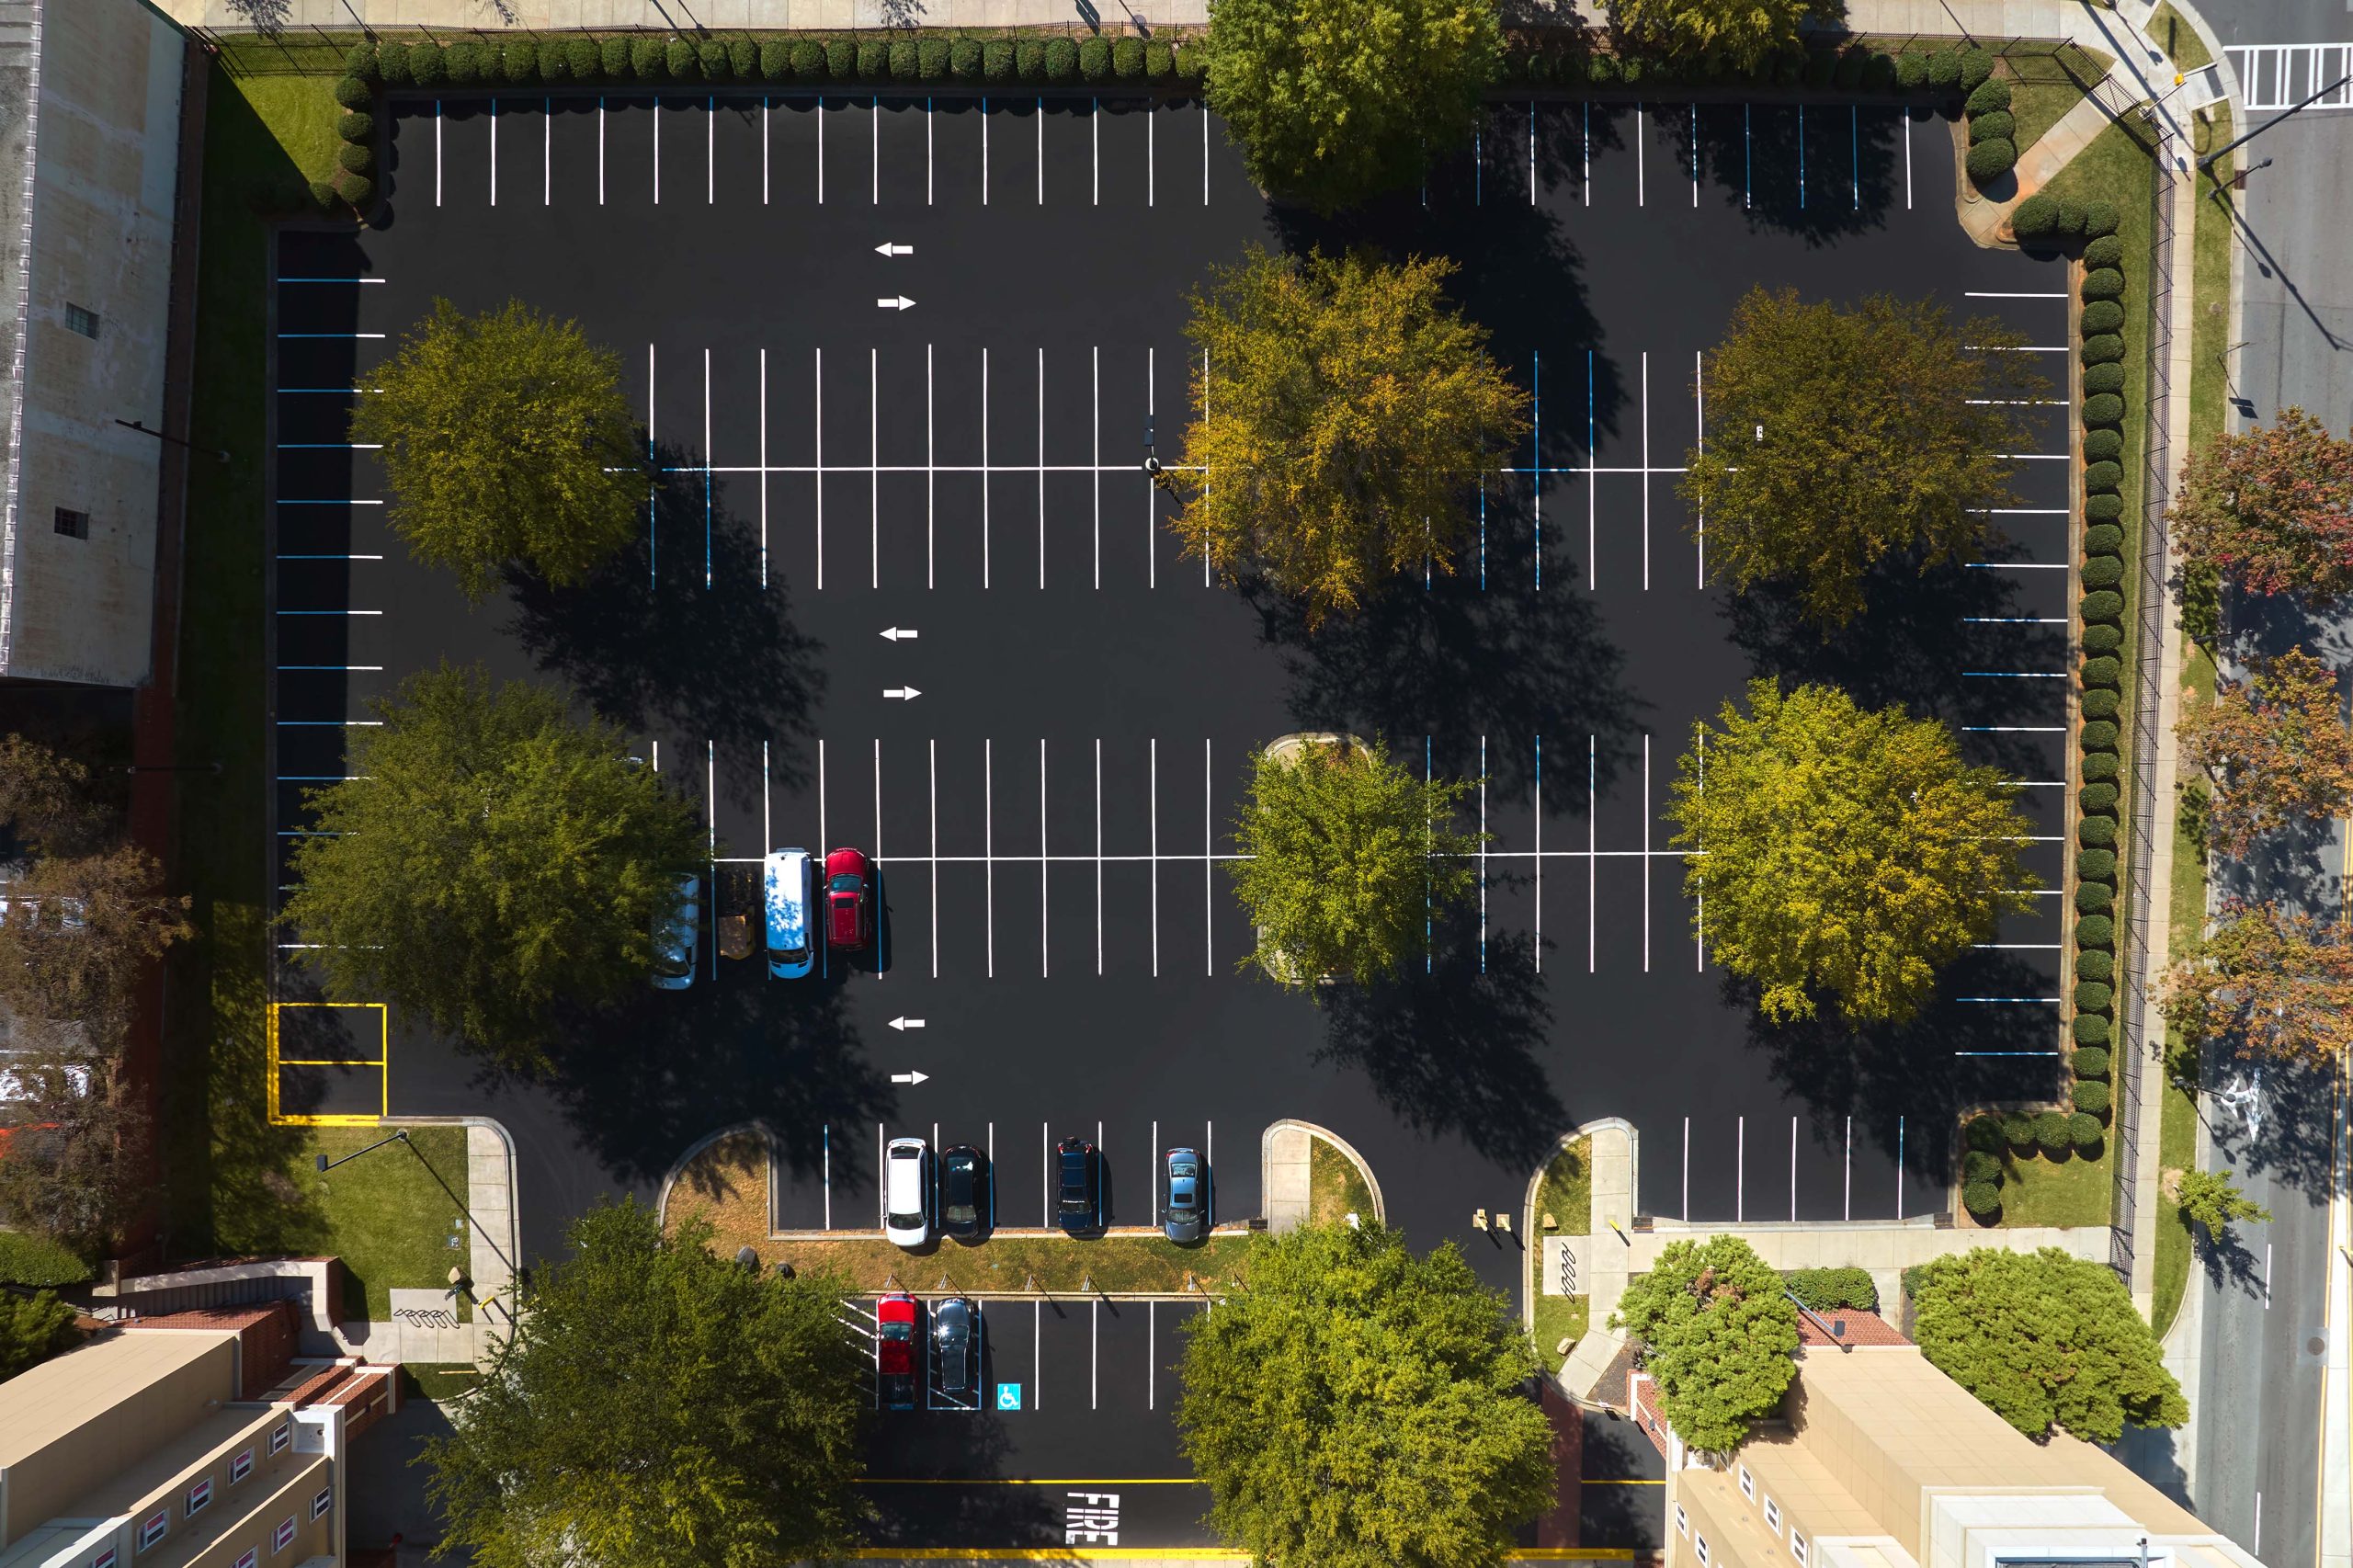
{"points": [[1098, 855], [710, 152], [1907, 161], [494, 151], [1042, 468], [988, 818], [1996, 294], [1699, 425], [547, 152], [1539, 942], [1041, 149], [657, 149], [436, 152], [984, 461], [1037, 1333], [1793, 1170], [1094, 137], [763, 468], [1152, 1354], [1045, 966], [1094, 1349], [1585, 180], [927, 161], [1151, 161], [1045, 1175], [1641, 181], [763, 149], [873, 473], [600, 150], [1150, 506], [1096, 404], [1482, 854], [878, 832], [825, 1146], [931, 755], [1208, 900], [881, 1164], [930, 476], [824, 956], [1646, 471], [1155, 858], [767, 833], [1592, 860], [874, 122], [706, 467], [821, 148], [1205, 156], [1646, 852], [819, 376], [711, 796]]}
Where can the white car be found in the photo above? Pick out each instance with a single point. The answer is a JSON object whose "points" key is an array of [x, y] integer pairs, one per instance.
{"points": [[906, 1192]]}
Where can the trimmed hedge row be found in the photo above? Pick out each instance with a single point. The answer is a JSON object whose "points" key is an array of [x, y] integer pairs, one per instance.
{"points": [[1992, 131], [915, 55], [1827, 1289]]}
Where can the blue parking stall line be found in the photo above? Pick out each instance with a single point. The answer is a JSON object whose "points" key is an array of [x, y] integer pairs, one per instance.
{"points": [[1592, 494], [1536, 460]]}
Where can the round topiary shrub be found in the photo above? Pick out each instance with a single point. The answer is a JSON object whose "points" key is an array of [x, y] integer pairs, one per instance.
{"points": [[356, 190], [352, 92], [905, 60], [2095, 966], [428, 64], [1988, 97], [2106, 251], [2103, 571], [1630, 70], [2102, 476], [1981, 1165], [613, 56], [2018, 1130], [359, 159], [2106, 604], [1976, 68], [2100, 316], [2102, 639], [464, 61], [2100, 765], [679, 61], [2105, 350], [776, 60], [2099, 220], [841, 60], [393, 69], [1029, 59], [2091, 1096], [581, 63], [323, 197], [1820, 67], [2096, 865], [2106, 378], [2095, 833], [2102, 446], [2099, 735], [964, 60], [518, 64], [2103, 408], [931, 59], [2102, 538], [1159, 62], [1990, 161], [2100, 704], [2095, 898], [2090, 1028], [1993, 125], [648, 60], [1193, 61], [1911, 70], [359, 60], [808, 59], [873, 59], [1602, 69], [2104, 283], [2071, 216], [1061, 60], [2103, 670], [2095, 931], [997, 59], [2090, 1061], [1981, 1199], [1127, 60], [742, 58], [1879, 72], [1850, 73], [2050, 1134], [2035, 218], [1944, 70], [1094, 60], [1982, 1134], [2086, 1131], [2099, 509], [357, 127]]}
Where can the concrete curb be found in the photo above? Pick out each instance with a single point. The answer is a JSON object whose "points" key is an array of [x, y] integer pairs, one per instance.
{"points": [[1364, 1166], [696, 1150]]}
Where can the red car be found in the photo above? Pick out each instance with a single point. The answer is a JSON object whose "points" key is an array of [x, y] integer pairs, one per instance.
{"points": [[895, 1351], [849, 904]]}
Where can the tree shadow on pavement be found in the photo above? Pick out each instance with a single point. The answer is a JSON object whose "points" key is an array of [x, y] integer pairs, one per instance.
{"points": [[693, 650], [1455, 1052], [2271, 1117], [1916, 647], [1455, 659], [930, 1516], [1906, 1085], [1839, 179]]}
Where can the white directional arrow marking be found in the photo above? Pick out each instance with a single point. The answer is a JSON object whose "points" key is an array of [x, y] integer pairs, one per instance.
{"points": [[888, 248], [900, 303], [901, 693], [903, 1023], [900, 633], [909, 1077]]}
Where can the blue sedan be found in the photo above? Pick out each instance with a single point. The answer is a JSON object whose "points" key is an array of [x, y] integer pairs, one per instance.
{"points": [[1186, 1216]]}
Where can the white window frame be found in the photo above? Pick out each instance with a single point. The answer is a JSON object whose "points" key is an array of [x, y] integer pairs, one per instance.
{"points": [[1772, 1515], [1682, 1521], [155, 1528], [247, 1558], [75, 314], [1796, 1547], [198, 1496], [279, 1436], [105, 1558], [322, 1502], [1747, 1483], [283, 1536], [241, 1465], [1700, 1545]]}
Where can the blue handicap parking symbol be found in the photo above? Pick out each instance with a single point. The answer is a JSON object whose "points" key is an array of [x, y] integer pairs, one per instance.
{"points": [[1008, 1396]]}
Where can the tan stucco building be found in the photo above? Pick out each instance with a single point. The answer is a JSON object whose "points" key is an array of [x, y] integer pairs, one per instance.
{"points": [[1881, 1462], [191, 1441]]}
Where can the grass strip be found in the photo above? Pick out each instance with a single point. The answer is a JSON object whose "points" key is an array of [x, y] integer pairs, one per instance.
{"points": [[1335, 1188]]}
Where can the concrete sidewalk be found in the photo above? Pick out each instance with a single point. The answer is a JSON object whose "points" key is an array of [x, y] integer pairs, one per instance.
{"points": [[424, 1327]]}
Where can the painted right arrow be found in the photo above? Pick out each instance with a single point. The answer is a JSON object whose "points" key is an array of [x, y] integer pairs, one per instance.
{"points": [[898, 303], [901, 693]]}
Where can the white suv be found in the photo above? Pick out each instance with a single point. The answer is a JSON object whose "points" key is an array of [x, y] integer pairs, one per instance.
{"points": [[906, 1192]]}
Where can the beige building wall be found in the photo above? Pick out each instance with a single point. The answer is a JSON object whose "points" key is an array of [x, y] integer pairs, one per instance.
{"points": [[103, 135]]}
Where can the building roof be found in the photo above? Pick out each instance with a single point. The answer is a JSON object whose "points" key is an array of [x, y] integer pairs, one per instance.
{"points": [[60, 1396], [1849, 1326]]}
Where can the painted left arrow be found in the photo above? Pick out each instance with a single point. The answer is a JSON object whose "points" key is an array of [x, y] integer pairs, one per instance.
{"points": [[892, 249]]}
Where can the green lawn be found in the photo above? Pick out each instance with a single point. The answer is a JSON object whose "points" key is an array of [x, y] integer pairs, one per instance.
{"points": [[1566, 1194], [2073, 1191], [1335, 1188], [2177, 39], [2039, 106], [1557, 1318]]}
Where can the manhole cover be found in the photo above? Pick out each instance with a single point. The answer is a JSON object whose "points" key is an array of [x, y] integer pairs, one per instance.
{"points": [[2315, 1345]]}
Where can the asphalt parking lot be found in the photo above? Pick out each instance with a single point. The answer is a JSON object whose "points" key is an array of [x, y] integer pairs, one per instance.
{"points": [[1050, 808]]}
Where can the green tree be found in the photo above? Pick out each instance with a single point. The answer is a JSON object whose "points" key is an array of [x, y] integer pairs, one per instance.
{"points": [[1354, 412], [2272, 509], [1357, 1406], [46, 800], [1349, 857], [1717, 1328], [79, 934], [507, 441], [2214, 1201], [2277, 747], [659, 1405], [1845, 438], [2044, 1340], [1334, 103], [1841, 852], [492, 855], [1741, 33], [2275, 981], [74, 1162], [32, 1329]]}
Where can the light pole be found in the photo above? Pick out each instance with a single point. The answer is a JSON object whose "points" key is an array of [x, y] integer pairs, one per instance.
{"points": [[220, 452], [2207, 161], [326, 1164]]}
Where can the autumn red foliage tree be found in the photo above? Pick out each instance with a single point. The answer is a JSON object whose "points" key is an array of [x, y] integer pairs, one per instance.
{"points": [[2271, 981], [2271, 510], [2277, 747]]}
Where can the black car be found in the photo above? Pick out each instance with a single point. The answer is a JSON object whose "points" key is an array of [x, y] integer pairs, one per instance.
{"points": [[956, 1354], [1078, 1203], [967, 1198]]}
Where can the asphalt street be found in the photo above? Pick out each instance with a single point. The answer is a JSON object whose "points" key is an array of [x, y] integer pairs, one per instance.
{"points": [[1051, 810]]}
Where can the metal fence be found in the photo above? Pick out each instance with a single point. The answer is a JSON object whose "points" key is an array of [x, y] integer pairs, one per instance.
{"points": [[2138, 1067]]}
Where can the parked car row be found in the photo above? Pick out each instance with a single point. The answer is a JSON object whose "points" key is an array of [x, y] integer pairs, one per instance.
{"points": [[789, 895], [955, 1350], [956, 1194]]}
